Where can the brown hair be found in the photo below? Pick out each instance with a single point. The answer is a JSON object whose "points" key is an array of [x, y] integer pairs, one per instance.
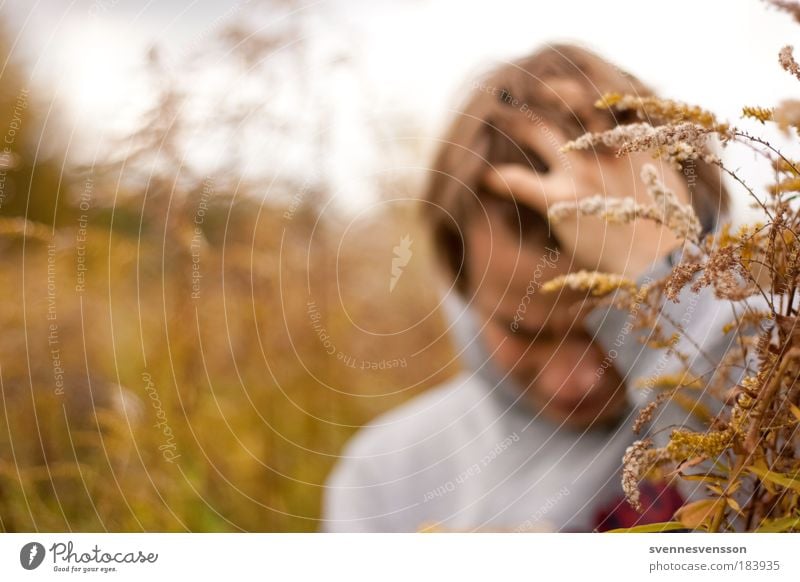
{"points": [[522, 91]]}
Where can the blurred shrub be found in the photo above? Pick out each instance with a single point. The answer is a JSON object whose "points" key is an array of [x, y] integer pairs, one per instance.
{"points": [[137, 395]]}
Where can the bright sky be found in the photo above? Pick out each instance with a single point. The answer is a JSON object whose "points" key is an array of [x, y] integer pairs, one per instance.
{"points": [[409, 60]]}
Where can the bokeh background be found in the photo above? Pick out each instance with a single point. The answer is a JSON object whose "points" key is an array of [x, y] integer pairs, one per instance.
{"points": [[200, 203]]}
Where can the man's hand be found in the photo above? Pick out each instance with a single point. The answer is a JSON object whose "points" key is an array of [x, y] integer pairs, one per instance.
{"points": [[591, 242]]}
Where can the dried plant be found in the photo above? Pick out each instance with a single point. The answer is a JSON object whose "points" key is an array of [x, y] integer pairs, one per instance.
{"points": [[746, 457], [665, 209]]}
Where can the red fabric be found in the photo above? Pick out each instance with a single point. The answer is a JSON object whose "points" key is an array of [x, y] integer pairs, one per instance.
{"points": [[659, 503]]}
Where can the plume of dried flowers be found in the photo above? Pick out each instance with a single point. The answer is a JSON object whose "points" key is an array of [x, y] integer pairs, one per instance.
{"points": [[646, 414], [787, 114], [679, 218], [785, 166], [598, 284], [635, 464], [613, 138], [671, 382], [639, 298], [679, 278], [723, 270], [665, 208], [660, 342], [749, 317], [674, 143], [685, 444], [613, 210], [786, 58], [761, 114], [792, 8], [663, 110], [788, 185]]}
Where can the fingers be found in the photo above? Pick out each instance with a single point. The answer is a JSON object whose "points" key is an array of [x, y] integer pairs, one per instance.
{"points": [[537, 146], [526, 186]]}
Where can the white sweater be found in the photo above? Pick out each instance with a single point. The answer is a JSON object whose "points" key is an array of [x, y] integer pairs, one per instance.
{"points": [[466, 455]]}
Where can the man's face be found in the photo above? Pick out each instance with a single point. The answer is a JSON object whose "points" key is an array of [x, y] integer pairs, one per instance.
{"points": [[538, 337]]}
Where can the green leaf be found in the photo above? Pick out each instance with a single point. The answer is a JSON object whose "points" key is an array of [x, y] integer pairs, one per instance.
{"points": [[650, 527]]}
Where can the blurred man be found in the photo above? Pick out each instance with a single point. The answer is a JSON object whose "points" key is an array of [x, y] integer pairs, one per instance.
{"points": [[531, 435]]}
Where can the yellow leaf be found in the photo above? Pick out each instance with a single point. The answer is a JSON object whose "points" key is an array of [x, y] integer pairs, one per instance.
{"points": [[779, 525], [651, 528], [760, 465], [787, 481], [688, 463], [795, 411], [710, 478], [697, 513], [734, 505]]}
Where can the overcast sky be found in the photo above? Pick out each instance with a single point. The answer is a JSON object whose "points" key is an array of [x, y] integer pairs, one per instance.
{"points": [[412, 54]]}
